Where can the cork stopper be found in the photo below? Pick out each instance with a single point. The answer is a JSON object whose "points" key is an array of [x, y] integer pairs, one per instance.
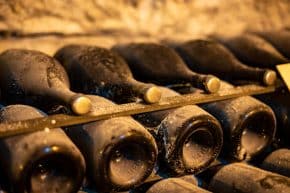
{"points": [[212, 84], [81, 105], [269, 77], [152, 95]]}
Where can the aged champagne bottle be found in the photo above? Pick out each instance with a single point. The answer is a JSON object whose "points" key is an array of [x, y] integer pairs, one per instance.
{"points": [[119, 152], [144, 187], [189, 138], [43, 161], [254, 51], [280, 103], [279, 39], [96, 70], [240, 177], [175, 185], [162, 65], [248, 125], [207, 56], [278, 161], [34, 78]]}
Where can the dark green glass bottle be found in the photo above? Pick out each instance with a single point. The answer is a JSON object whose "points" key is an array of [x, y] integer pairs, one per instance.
{"points": [[249, 126], [175, 185], [208, 56], [189, 138], [279, 39], [120, 153], [34, 78], [39, 162], [278, 161], [240, 177], [151, 62], [254, 50], [96, 70]]}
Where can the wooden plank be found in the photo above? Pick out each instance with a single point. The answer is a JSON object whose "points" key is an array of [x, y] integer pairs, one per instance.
{"points": [[62, 120]]}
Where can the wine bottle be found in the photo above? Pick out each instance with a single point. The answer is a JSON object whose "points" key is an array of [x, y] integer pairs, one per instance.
{"points": [[280, 103], [248, 125], [278, 161], [175, 185], [34, 78], [144, 187], [208, 56], [119, 152], [279, 39], [160, 64], [254, 51], [43, 161], [189, 138], [240, 177], [96, 70]]}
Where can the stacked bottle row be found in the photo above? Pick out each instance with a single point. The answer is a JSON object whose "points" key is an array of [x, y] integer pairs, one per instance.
{"points": [[120, 153]]}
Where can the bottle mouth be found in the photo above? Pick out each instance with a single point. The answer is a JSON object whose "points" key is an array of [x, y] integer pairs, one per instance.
{"points": [[81, 105], [269, 77], [131, 161], [212, 84], [152, 95], [54, 172], [257, 132], [198, 148]]}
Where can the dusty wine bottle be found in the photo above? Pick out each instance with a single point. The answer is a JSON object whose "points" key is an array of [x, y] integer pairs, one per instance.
{"points": [[162, 65], [279, 39], [254, 51], [280, 103], [34, 78], [208, 56], [248, 125], [96, 70], [189, 138], [278, 162], [119, 152], [174, 185], [240, 177], [151, 181], [43, 161]]}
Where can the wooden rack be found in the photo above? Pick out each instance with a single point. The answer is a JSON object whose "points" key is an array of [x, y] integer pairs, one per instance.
{"points": [[63, 120]]}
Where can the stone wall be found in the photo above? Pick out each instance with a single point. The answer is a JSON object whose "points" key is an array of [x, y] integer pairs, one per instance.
{"points": [[48, 24]]}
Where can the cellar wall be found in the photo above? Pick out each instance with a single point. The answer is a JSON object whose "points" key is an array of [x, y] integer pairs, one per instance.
{"points": [[48, 24]]}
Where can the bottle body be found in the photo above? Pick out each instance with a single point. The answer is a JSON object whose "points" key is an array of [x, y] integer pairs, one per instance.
{"points": [[279, 102], [207, 56], [278, 161], [157, 179], [96, 70], [249, 125], [175, 185], [34, 78], [254, 51], [248, 129], [280, 39], [189, 138], [43, 161], [239, 177], [162, 65], [119, 152]]}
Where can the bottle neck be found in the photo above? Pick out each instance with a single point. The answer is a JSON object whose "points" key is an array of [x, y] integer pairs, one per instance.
{"points": [[243, 72], [148, 92], [208, 83], [78, 103]]}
